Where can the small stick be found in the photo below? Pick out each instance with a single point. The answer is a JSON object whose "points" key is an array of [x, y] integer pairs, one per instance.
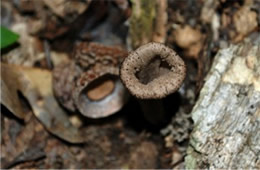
{"points": [[47, 54]]}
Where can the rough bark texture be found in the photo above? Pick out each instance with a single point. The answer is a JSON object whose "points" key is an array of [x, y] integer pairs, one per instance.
{"points": [[227, 114]]}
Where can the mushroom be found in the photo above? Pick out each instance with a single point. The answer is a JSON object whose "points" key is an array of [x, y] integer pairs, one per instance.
{"points": [[150, 73], [63, 77], [99, 92], [90, 82]]}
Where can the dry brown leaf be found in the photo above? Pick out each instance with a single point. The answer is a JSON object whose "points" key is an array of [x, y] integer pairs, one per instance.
{"points": [[65, 8], [186, 36], [36, 86], [190, 39], [9, 91], [194, 49], [245, 21], [17, 139]]}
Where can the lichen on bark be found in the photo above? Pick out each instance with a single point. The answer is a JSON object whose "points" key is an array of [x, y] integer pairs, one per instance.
{"points": [[227, 114]]}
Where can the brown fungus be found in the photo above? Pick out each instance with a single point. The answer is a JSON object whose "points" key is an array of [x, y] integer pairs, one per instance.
{"points": [[87, 55], [99, 93], [63, 77], [150, 73], [90, 81], [153, 71]]}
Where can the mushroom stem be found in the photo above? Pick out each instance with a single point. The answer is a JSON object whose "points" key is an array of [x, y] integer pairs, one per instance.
{"points": [[153, 111]]}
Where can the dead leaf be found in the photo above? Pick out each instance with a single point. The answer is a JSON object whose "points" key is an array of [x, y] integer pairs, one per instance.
{"points": [[186, 36], [64, 8], [194, 49], [17, 136], [190, 39], [245, 22], [36, 86]]}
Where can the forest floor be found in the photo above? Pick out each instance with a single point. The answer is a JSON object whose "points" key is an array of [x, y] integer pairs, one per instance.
{"points": [[48, 30]]}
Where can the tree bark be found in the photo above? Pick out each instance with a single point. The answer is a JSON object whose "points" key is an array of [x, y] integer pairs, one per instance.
{"points": [[226, 116]]}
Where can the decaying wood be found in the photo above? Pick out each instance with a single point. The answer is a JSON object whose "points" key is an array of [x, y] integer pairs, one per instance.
{"points": [[227, 114]]}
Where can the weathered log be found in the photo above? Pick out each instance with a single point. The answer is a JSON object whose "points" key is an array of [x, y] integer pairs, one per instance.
{"points": [[226, 116]]}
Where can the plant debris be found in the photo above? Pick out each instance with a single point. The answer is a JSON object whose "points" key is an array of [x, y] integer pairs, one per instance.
{"points": [[36, 86]]}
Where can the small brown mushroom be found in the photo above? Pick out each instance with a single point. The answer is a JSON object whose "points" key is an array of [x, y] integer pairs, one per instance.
{"points": [[90, 82], [152, 72]]}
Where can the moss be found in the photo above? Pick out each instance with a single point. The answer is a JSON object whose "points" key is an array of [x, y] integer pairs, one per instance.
{"points": [[190, 159], [193, 156], [141, 22]]}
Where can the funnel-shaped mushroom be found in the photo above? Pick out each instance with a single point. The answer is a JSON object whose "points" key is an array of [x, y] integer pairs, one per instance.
{"points": [[153, 71]]}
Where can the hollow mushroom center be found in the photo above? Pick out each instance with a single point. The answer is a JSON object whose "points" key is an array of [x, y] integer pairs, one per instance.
{"points": [[100, 88], [154, 69]]}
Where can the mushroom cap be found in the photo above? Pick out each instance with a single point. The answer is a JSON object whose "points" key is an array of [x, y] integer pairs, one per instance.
{"points": [[88, 54], [90, 82], [160, 85]]}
